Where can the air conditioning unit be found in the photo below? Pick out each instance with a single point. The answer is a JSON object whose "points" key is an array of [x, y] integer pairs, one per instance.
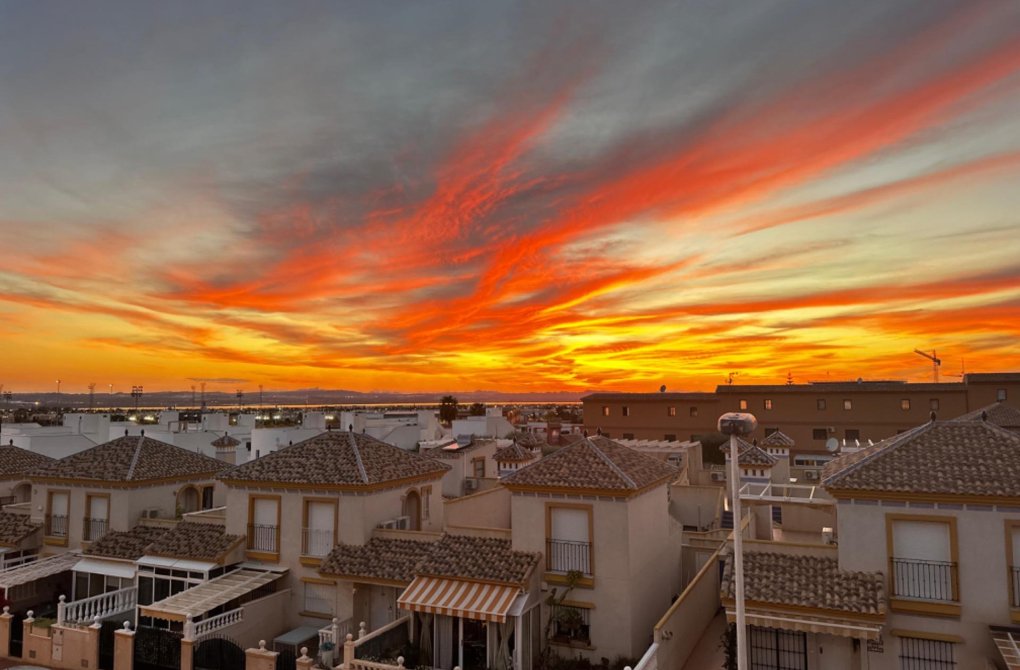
{"points": [[832, 430], [718, 476], [402, 522], [470, 484], [811, 475], [151, 513]]}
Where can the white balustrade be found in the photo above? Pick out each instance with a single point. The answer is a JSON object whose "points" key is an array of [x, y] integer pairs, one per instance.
{"points": [[215, 623], [87, 610], [337, 630]]}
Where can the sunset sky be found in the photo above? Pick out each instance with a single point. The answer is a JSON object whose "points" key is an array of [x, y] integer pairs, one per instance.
{"points": [[525, 196]]}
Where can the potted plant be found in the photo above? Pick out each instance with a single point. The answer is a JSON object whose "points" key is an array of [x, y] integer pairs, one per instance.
{"points": [[326, 654]]}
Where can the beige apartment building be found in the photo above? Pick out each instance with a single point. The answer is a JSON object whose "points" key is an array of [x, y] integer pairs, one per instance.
{"points": [[810, 414]]}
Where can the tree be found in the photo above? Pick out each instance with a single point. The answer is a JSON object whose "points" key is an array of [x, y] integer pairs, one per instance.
{"points": [[477, 409], [448, 409]]}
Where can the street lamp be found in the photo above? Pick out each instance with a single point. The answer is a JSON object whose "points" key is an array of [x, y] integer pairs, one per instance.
{"points": [[738, 424]]}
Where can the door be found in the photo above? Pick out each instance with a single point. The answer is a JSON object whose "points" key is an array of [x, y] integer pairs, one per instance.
{"points": [[56, 525], [412, 509], [382, 606]]}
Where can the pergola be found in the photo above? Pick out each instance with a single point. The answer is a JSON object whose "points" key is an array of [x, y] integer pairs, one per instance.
{"points": [[205, 597]]}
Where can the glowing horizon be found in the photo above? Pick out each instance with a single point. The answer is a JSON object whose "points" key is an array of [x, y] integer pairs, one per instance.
{"points": [[525, 199]]}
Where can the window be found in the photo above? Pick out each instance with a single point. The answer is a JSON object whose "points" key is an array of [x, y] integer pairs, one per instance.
{"points": [[318, 532], [426, 495], [743, 404], [56, 517], [905, 404], [207, 497], [568, 538], [820, 404], [570, 623], [320, 598], [1000, 395], [923, 557], [767, 403], [1013, 562], [848, 404], [671, 411], [605, 410], [478, 467], [773, 649], [625, 410], [934, 404], [97, 516], [917, 652], [628, 436], [264, 524], [819, 434], [669, 437], [852, 434], [694, 411]]}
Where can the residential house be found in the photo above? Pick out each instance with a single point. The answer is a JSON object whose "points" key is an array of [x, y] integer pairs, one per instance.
{"points": [[15, 464], [599, 514], [472, 464], [296, 504], [111, 486]]}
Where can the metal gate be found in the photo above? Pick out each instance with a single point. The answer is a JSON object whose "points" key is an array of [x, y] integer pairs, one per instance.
{"points": [[157, 649], [773, 649], [17, 635], [216, 653], [286, 660], [106, 643]]}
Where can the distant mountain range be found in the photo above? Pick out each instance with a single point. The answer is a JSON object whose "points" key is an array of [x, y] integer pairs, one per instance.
{"points": [[310, 397]]}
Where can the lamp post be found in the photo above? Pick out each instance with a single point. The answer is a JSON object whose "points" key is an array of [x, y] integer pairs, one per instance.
{"points": [[737, 424]]}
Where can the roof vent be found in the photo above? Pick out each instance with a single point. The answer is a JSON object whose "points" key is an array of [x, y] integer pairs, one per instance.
{"points": [[984, 415], [585, 432], [143, 432], [350, 428], [125, 432], [933, 415], [598, 431]]}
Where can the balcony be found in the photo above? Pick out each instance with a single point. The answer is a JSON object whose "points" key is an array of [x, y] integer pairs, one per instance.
{"points": [[316, 542], [570, 624], [568, 556], [264, 538], [924, 580], [56, 525], [93, 529], [83, 612]]}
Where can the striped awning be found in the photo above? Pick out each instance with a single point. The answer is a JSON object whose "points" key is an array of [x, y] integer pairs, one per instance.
{"points": [[454, 597]]}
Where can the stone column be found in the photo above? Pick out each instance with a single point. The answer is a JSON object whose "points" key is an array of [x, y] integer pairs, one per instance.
{"points": [[348, 652], [188, 645], [124, 648], [5, 631], [260, 659], [304, 662], [92, 654]]}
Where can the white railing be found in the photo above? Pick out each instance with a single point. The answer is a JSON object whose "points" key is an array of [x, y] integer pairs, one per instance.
{"points": [[213, 624], [336, 632], [104, 605], [10, 563]]}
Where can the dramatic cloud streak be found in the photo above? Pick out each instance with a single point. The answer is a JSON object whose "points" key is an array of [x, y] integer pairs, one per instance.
{"points": [[514, 197]]}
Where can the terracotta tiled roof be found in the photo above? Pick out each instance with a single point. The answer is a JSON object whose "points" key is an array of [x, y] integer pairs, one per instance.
{"points": [[515, 453], [225, 441], [15, 462], [749, 454], [594, 463], [528, 440], [131, 459], [337, 459], [387, 559], [482, 558], [939, 457], [777, 439], [806, 581], [198, 541], [126, 544], [998, 413], [15, 527]]}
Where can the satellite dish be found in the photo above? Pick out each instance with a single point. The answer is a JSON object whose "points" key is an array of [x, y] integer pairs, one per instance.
{"points": [[832, 445], [662, 389]]}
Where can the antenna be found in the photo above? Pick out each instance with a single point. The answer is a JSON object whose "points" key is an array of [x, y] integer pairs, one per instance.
{"points": [[832, 445], [963, 369], [662, 389], [935, 361], [729, 380]]}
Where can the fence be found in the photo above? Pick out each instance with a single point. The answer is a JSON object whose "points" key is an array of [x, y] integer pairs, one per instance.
{"points": [[925, 580], [565, 556], [87, 610]]}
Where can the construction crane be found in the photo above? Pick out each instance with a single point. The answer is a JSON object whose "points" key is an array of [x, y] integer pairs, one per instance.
{"points": [[935, 361]]}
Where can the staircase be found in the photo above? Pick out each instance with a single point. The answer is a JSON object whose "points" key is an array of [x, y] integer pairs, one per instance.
{"points": [[1007, 640]]}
